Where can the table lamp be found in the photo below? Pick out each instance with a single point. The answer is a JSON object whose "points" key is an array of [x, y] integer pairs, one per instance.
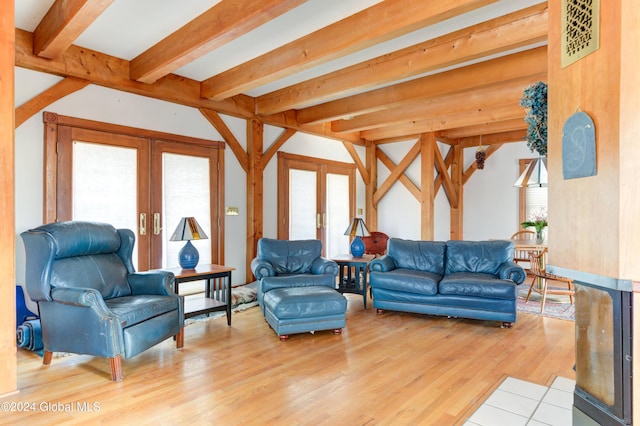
{"points": [[357, 229], [188, 229]]}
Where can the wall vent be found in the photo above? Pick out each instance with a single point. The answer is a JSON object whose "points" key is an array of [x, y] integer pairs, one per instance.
{"points": [[580, 29]]}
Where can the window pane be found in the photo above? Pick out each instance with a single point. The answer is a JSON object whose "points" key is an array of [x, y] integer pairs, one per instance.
{"points": [[337, 214], [302, 205], [104, 182], [186, 193]]}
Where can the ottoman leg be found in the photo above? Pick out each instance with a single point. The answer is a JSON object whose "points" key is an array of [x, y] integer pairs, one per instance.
{"points": [[337, 331], [284, 337]]}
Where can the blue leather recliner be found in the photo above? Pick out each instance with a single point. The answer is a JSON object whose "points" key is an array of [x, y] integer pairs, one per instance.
{"points": [[90, 299], [296, 287], [468, 279]]}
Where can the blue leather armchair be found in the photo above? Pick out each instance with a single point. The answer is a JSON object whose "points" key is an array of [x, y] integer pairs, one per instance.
{"points": [[296, 287], [90, 299]]}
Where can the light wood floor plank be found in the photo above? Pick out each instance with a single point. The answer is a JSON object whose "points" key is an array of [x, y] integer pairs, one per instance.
{"points": [[390, 368]]}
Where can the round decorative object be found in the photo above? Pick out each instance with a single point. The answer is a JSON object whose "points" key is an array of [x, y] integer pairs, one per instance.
{"points": [[578, 146], [357, 247], [188, 256]]}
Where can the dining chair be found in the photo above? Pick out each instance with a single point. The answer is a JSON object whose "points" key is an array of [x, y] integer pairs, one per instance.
{"points": [[540, 283], [522, 255]]}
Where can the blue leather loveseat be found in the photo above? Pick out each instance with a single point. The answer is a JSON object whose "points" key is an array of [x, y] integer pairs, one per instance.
{"points": [[469, 279]]}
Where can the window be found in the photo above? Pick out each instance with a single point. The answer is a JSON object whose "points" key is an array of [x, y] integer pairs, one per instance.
{"points": [[531, 198]]}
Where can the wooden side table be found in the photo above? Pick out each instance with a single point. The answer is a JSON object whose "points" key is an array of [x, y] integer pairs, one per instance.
{"points": [[217, 291], [352, 277]]}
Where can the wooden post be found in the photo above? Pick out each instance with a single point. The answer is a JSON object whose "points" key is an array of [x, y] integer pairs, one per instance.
{"points": [[255, 190], [372, 186], [8, 362], [427, 163], [456, 213]]}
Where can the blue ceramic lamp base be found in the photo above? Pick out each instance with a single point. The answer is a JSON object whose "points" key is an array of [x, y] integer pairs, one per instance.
{"points": [[357, 247], [188, 256]]}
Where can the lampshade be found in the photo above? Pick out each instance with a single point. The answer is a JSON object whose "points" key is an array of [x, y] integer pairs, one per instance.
{"points": [[188, 229], [357, 228], [535, 174]]}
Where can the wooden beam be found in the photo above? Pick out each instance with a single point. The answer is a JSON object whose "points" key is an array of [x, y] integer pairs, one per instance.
{"points": [[501, 93], [58, 91], [392, 18], [64, 22], [443, 172], [396, 172], [214, 118], [450, 121], [474, 166], [456, 214], [288, 119], [8, 361], [359, 164], [404, 180], [515, 125], [255, 191], [494, 138], [517, 65], [221, 24], [448, 160], [112, 72], [428, 148], [275, 146], [371, 187], [505, 33]]}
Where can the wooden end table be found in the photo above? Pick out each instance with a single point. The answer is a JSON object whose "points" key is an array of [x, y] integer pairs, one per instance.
{"points": [[352, 277], [217, 291]]}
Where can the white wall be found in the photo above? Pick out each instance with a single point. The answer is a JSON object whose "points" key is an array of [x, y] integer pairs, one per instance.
{"points": [[491, 204]]}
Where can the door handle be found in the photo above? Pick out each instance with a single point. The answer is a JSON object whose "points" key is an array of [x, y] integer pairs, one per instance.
{"points": [[318, 222], [143, 224], [156, 224], [324, 220]]}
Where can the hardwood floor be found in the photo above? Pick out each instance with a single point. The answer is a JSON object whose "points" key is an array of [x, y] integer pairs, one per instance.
{"points": [[392, 368]]}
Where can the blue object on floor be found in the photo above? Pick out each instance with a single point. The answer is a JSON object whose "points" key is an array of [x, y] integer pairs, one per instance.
{"points": [[22, 312], [29, 336]]}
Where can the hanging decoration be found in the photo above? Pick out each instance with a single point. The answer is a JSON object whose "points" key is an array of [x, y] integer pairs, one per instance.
{"points": [[481, 155], [534, 100]]}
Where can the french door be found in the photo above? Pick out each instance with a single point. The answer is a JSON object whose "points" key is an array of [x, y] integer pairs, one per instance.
{"points": [[316, 200], [143, 184]]}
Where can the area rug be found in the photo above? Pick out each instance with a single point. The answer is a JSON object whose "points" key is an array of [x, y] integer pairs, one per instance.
{"points": [[242, 298], [559, 308]]}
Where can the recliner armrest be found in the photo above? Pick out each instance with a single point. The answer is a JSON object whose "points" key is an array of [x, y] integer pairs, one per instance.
{"points": [[77, 296], [324, 266], [512, 271], [383, 263], [152, 282], [262, 268]]}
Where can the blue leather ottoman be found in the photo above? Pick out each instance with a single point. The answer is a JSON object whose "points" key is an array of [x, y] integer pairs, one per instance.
{"points": [[302, 309]]}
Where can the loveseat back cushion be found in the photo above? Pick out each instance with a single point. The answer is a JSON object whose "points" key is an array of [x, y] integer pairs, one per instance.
{"points": [[477, 256], [477, 285], [418, 255], [289, 256]]}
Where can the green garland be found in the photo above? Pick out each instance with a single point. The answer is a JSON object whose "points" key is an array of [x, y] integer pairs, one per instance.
{"points": [[535, 99]]}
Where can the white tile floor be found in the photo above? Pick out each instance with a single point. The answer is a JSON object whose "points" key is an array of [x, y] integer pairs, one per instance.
{"points": [[517, 402]]}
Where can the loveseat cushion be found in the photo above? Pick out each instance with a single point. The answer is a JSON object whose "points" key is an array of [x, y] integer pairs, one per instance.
{"points": [[484, 257], [406, 280], [477, 284], [305, 302], [132, 310], [425, 256]]}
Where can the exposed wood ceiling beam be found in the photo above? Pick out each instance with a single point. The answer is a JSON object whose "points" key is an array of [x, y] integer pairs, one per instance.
{"points": [[494, 138], [63, 23], [483, 97], [517, 65], [522, 28], [40, 102], [451, 121], [219, 25], [392, 18], [496, 127], [112, 72], [289, 120]]}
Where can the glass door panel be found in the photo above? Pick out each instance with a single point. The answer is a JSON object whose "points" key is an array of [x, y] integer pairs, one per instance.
{"points": [[186, 192], [338, 214], [303, 206], [104, 186]]}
